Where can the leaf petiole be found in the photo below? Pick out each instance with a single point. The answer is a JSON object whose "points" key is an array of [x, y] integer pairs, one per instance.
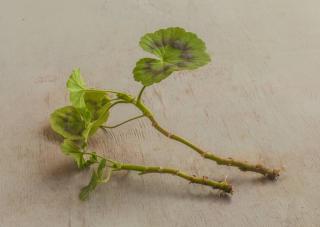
{"points": [[101, 157], [140, 93], [122, 123]]}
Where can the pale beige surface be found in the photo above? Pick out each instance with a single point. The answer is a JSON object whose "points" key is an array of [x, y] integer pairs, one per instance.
{"points": [[258, 100]]}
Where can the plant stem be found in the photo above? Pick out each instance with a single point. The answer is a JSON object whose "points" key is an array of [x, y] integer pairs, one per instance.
{"points": [[99, 156], [117, 166], [242, 165], [117, 125], [224, 186], [140, 93], [103, 91]]}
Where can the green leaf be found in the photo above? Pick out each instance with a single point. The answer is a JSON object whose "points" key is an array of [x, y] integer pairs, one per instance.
{"points": [[89, 102], [176, 49], [92, 127], [149, 71], [95, 101], [77, 87], [67, 122], [70, 148], [73, 149], [85, 191], [76, 82], [97, 178]]}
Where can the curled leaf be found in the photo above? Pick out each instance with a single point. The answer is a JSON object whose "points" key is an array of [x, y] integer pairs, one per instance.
{"points": [[93, 126], [70, 148], [67, 122], [176, 49], [95, 102], [97, 178]]}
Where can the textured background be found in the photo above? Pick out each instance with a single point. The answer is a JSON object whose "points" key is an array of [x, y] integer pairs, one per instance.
{"points": [[258, 100]]}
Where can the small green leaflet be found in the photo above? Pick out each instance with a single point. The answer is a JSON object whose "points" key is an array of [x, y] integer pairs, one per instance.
{"points": [[72, 149], [93, 126], [97, 178], [69, 148], [176, 49], [67, 122], [77, 87], [97, 104]]}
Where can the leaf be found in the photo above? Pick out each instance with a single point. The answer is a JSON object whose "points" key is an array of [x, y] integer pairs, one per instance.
{"points": [[97, 178], [149, 71], [69, 148], [89, 102], [85, 191], [77, 87], [92, 127], [67, 122], [72, 149], [95, 101], [76, 82], [176, 49]]}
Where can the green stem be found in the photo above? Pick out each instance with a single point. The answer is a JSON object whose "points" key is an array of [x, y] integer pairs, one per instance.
{"points": [[242, 165], [112, 105], [102, 91], [117, 125], [99, 156], [224, 186], [140, 93], [118, 166]]}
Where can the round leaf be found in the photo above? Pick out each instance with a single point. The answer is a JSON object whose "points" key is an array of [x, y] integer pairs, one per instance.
{"points": [[94, 102], [67, 122], [176, 49]]}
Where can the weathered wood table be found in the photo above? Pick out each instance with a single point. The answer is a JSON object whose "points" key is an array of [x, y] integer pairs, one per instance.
{"points": [[259, 100]]}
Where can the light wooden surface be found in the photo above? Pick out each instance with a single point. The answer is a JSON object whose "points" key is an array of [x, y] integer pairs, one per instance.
{"points": [[258, 100]]}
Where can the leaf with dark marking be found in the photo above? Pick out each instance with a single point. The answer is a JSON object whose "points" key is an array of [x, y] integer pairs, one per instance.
{"points": [[67, 122], [176, 49]]}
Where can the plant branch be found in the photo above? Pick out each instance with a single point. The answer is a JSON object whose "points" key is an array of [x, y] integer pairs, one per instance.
{"points": [[117, 125], [224, 186], [112, 105], [118, 166], [101, 157], [242, 165], [104, 91]]}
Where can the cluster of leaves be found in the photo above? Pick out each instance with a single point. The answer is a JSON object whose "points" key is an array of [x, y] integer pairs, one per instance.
{"points": [[89, 110], [77, 122], [176, 50]]}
